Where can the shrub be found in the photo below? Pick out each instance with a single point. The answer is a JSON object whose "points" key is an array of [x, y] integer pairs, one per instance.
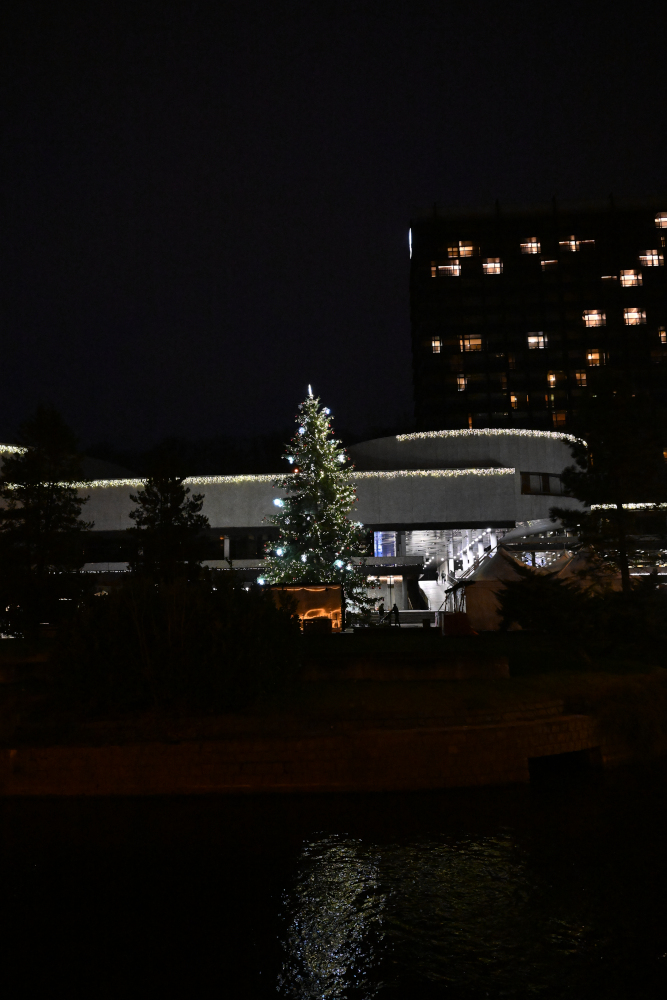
{"points": [[540, 602], [606, 622], [182, 644]]}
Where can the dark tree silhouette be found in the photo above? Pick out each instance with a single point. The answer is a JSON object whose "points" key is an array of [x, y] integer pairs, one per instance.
{"points": [[41, 527], [619, 463], [168, 523]]}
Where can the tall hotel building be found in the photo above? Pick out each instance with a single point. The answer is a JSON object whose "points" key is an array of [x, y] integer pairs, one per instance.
{"points": [[516, 315]]}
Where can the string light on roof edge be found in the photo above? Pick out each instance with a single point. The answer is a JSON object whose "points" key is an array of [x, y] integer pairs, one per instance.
{"points": [[486, 432], [630, 506], [231, 480]]}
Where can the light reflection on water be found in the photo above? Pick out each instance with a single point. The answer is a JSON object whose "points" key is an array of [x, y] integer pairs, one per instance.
{"points": [[335, 921], [466, 914]]}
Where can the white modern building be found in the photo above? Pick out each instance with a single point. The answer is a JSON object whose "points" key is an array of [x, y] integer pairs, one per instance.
{"points": [[436, 502]]}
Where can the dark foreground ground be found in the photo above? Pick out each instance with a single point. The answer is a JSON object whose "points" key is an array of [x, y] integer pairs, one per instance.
{"points": [[625, 690]]}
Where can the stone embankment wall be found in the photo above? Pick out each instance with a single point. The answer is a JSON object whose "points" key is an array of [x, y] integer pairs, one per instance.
{"points": [[362, 760]]}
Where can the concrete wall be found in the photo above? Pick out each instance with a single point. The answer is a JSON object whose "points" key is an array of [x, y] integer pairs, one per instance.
{"points": [[463, 500], [536, 451]]}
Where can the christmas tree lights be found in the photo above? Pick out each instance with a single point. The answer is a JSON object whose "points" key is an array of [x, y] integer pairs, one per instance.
{"points": [[317, 537]]}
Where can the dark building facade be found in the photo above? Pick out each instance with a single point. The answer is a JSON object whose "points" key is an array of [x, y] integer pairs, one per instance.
{"points": [[517, 315]]}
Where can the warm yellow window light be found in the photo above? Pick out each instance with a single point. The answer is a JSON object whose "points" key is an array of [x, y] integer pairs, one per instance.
{"points": [[452, 270], [593, 317], [531, 245], [652, 258], [492, 265], [631, 279]]}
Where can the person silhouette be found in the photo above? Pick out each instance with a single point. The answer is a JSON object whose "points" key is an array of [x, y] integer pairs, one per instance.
{"points": [[395, 615]]}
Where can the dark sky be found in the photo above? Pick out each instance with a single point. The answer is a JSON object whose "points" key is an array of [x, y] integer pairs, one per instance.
{"points": [[205, 205]]}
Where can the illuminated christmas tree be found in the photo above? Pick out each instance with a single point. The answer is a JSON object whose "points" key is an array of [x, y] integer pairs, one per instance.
{"points": [[318, 541]]}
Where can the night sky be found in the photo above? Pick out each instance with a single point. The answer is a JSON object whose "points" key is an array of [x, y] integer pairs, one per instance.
{"points": [[205, 206]]}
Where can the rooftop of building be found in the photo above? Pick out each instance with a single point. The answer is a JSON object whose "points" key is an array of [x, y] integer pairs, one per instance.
{"points": [[444, 212]]}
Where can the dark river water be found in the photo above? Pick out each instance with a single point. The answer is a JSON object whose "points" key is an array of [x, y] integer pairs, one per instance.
{"points": [[553, 890]]}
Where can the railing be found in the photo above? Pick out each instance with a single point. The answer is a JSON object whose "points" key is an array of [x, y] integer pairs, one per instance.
{"points": [[404, 617]]}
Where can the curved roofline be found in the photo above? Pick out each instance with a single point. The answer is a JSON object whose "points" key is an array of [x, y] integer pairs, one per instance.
{"points": [[486, 432], [274, 478]]}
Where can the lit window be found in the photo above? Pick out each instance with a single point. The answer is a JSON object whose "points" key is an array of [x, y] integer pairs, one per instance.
{"points": [[531, 245], [551, 379], [662, 333], [593, 359], [609, 277], [573, 244], [537, 341], [492, 265], [514, 402], [593, 317], [471, 343], [468, 249], [436, 344], [630, 279], [452, 251], [511, 360], [661, 220], [559, 418], [581, 379], [634, 317], [450, 270], [461, 382], [549, 265], [651, 259], [445, 270]]}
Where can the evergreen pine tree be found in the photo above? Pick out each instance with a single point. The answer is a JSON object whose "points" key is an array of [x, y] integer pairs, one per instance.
{"points": [[41, 527], [168, 523], [317, 539]]}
